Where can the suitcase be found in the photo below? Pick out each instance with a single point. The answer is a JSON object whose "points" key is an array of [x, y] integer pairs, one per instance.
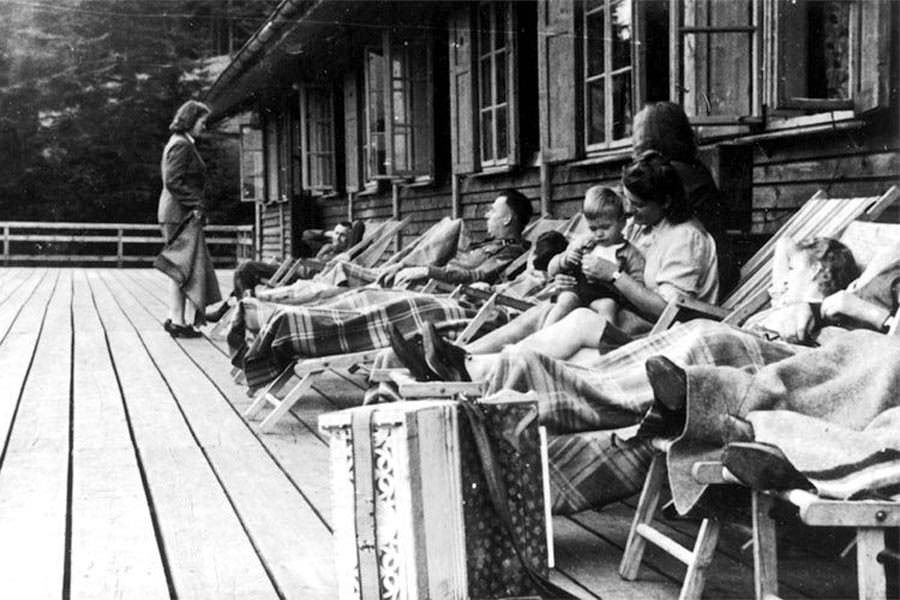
{"points": [[412, 515]]}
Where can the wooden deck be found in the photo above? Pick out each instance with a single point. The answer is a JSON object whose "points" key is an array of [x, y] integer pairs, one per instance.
{"points": [[127, 471]]}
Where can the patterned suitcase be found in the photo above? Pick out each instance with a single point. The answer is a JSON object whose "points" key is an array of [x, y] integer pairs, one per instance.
{"points": [[420, 523]]}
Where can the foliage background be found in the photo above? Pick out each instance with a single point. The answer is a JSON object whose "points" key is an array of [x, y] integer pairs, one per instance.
{"points": [[87, 90]]}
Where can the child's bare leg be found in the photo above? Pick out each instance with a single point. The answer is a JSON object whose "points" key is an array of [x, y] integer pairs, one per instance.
{"points": [[566, 302], [579, 329]]}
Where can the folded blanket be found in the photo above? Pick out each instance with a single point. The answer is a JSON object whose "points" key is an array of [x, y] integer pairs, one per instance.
{"points": [[837, 411], [354, 322]]}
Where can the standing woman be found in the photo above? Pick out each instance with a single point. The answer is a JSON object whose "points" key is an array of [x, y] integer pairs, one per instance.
{"points": [[180, 214]]}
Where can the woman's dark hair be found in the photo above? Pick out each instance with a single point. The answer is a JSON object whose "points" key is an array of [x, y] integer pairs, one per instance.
{"points": [[187, 115], [839, 267], [652, 178], [548, 245], [664, 127], [519, 205]]}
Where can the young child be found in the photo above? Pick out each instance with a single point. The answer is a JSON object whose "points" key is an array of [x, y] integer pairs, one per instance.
{"points": [[533, 281], [605, 213], [803, 272]]}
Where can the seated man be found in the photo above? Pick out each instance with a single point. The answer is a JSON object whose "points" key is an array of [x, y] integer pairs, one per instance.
{"points": [[357, 321], [506, 219]]}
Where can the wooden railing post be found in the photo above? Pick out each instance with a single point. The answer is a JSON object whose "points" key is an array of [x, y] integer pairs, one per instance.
{"points": [[6, 245], [119, 249]]}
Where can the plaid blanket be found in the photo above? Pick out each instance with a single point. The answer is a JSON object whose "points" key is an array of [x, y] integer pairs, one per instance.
{"points": [[353, 322], [613, 391]]}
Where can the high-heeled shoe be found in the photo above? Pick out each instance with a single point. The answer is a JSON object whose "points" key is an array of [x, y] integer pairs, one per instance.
{"points": [[446, 359]]}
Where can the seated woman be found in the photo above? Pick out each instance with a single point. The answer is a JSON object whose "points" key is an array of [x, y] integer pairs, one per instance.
{"points": [[679, 255], [614, 390]]}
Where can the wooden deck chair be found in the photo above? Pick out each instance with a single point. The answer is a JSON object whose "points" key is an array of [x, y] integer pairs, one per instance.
{"points": [[820, 216], [864, 238]]}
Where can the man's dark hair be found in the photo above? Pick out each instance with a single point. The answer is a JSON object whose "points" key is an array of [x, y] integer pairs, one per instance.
{"points": [[548, 245], [652, 178], [187, 115], [519, 205], [346, 224]]}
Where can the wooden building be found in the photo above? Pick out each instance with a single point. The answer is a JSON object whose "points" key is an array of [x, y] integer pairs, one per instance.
{"points": [[426, 109]]}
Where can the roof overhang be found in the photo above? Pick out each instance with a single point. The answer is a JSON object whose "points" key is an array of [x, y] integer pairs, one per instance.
{"points": [[299, 35]]}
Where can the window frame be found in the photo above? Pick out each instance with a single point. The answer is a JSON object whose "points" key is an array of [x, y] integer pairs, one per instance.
{"points": [[309, 101], [775, 90], [608, 73], [420, 125], [496, 160], [256, 152]]}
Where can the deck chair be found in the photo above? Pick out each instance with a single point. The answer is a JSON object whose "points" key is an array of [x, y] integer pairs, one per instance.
{"points": [[820, 216], [863, 238]]}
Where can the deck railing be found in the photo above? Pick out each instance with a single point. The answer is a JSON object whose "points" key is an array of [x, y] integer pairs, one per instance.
{"points": [[119, 243]]}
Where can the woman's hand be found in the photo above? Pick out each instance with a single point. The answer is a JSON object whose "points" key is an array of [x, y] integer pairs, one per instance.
{"points": [[410, 274], [597, 268], [565, 282]]}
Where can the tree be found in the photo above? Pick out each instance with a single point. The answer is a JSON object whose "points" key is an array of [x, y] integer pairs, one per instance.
{"points": [[87, 89]]}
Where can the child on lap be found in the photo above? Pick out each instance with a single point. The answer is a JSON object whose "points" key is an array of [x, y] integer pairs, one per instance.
{"points": [[605, 213]]}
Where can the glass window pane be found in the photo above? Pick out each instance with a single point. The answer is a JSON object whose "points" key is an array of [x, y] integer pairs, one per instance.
{"points": [[487, 135], [595, 47], [501, 75], [500, 26], [400, 116], [502, 127], [828, 70], [621, 109], [484, 26], [401, 149], [596, 112], [621, 35], [485, 82]]}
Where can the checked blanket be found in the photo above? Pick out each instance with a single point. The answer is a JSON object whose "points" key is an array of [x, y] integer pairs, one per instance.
{"points": [[610, 391], [353, 322]]}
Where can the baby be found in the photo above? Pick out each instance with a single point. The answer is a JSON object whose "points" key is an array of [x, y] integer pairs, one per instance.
{"points": [[605, 213]]}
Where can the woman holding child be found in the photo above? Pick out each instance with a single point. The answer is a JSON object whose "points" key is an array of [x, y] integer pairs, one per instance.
{"points": [[679, 258]]}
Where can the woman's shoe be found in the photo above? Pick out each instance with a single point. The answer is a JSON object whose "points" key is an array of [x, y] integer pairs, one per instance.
{"points": [[410, 355], [186, 331], [446, 359], [171, 328]]}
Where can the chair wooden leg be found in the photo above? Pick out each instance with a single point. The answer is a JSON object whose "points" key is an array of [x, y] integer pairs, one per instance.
{"points": [[287, 402], [869, 572], [269, 394], [634, 547], [765, 553], [704, 550]]}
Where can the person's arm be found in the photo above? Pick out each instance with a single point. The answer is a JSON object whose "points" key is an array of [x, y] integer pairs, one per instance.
{"points": [[849, 305], [488, 271], [648, 302], [178, 180]]}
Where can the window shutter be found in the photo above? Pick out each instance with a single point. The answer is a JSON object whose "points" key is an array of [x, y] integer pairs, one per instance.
{"points": [[512, 83], [462, 93], [351, 133], [558, 87], [874, 59], [304, 135], [719, 79]]}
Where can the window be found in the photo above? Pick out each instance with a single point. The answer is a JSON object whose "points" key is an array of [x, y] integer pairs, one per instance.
{"points": [[494, 76], [317, 138], [271, 157], [252, 174], [398, 139], [617, 54], [792, 56], [819, 36]]}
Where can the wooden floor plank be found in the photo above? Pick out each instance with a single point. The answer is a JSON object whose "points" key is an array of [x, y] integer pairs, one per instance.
{"points": [[288, 535], [34, 473], [114, 553], [12, 279], [15, 299], [207, 550]]}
